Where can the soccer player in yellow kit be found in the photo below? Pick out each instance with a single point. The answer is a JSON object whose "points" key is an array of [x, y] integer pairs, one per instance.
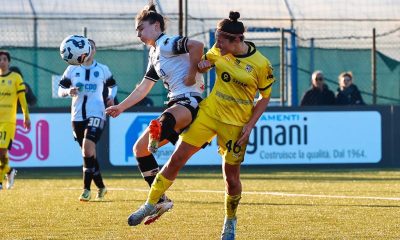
{"points": [[12, 89], [229, 112]]}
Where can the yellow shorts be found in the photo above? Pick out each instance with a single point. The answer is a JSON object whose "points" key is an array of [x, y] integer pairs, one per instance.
{"points": [[204, 129], [7, 134]]}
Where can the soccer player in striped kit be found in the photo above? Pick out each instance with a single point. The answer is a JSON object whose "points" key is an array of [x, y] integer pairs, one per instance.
{"points": [[172, 59], [85, 83]]}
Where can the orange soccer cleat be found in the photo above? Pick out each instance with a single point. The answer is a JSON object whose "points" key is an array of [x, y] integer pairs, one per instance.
{"points": [[154, 135]]}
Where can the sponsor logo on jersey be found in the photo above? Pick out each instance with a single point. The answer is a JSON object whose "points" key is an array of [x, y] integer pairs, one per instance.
{"points": [[162, 73], [87, 87], [79, 86], [225, 77], [249, 68], [239, 83], [5, 94]]}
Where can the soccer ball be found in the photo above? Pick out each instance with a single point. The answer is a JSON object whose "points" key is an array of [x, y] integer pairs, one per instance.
{"points": [[74, 49]]}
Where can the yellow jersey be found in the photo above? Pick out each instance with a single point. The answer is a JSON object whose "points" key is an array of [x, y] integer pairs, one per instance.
{"points": [[239, 78], [12, 88]]}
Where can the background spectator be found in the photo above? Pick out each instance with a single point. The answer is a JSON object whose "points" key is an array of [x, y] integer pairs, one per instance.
{"points": [[348, 93], [319, 93]]}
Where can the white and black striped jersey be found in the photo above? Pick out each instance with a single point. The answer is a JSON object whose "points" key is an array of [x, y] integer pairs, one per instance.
{"points": [[91, 81], [169, 61]]}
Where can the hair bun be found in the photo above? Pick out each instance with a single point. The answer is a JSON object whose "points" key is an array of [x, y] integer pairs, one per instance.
{"points": [[234, 16], [151, 7]]}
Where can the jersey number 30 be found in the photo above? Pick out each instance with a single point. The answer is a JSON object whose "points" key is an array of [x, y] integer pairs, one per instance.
{"points": [[94, 122]]}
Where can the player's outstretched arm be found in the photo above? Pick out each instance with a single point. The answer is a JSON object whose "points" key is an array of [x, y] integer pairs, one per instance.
{"points": [[136, 95]]}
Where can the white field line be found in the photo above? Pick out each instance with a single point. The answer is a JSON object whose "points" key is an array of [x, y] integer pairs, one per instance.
{"points": [[280, 194]]}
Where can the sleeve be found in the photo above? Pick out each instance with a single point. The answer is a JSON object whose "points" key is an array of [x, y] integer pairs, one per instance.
{"points": [[65, 81], [180, 45], [212, 55], [112, 86], [265, 80], [20, 85], [21, 97], [64, 84], [109, 78], [151, 73], [110, 82]]}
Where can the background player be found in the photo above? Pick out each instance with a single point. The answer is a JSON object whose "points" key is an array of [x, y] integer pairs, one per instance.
{"points": [[85, 83], [173, 59], [12, 90], [228, 112]]}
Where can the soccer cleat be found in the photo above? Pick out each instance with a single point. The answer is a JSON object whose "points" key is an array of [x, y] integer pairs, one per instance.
{"points": [[229, 229], [154, 135], [100, 194], [162, 207], [85, 196], [10, 178], [141, 214]]}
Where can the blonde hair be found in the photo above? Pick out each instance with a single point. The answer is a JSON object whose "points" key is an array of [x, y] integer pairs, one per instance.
{"points": [[346, 74]]}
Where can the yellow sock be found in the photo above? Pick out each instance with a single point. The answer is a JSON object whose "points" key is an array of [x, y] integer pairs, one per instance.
{"points": [[158, 188], [231, 204], [4, 168]]}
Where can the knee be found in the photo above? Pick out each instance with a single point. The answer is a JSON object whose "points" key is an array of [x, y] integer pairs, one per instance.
{"points": [[232, 182], [139, 149], [87, 152], [168, 123], [135, 149]]}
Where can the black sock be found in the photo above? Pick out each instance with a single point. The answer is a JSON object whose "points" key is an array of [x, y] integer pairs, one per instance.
{"points": [[148, 167], [88, 170], [97, 178]]}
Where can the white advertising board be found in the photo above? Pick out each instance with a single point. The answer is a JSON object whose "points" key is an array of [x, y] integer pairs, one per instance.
{"points": [[49, 142], [278, 138]]}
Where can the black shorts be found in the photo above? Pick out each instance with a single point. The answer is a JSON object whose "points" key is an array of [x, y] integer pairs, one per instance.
{"points": [[91, 129], [191, 103]]}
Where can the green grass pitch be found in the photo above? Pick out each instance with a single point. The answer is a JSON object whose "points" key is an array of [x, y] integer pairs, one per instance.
{"points": [[276, 204]]}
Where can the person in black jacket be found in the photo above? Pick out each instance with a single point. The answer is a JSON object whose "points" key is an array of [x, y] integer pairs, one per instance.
{"points": [[348, 93], [319, 93]]}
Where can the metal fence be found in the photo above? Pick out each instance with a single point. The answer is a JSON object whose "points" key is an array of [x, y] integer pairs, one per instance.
{"points": [[332, 36]]}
